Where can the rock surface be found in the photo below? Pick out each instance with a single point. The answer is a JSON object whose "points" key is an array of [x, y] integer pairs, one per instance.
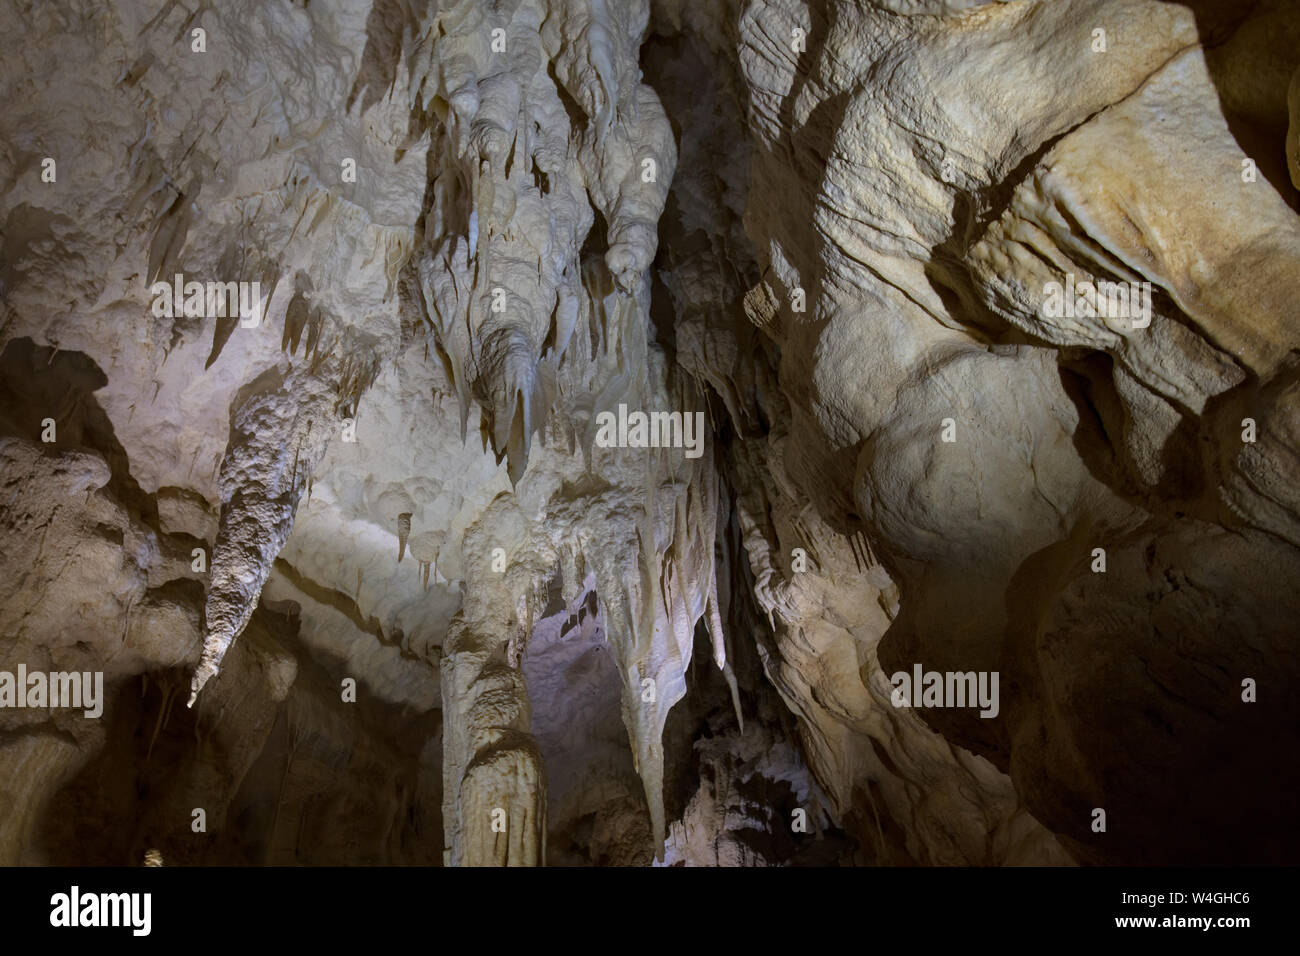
{"points": [[424, 611]]}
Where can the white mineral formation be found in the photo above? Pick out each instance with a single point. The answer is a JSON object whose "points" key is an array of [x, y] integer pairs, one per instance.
{"points": [[988, 310]]}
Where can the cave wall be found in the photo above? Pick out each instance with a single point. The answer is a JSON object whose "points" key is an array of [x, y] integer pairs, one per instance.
{"points": [[827, 228]]}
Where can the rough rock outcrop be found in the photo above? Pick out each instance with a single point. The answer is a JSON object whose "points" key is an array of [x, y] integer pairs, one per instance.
{"points": [[975, 321]]}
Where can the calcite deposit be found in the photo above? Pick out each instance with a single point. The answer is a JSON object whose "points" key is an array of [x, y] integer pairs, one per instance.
{"points": [[538, 432]]}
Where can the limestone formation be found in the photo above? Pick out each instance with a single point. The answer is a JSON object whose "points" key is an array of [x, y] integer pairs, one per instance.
{"points": [[985, 310]]}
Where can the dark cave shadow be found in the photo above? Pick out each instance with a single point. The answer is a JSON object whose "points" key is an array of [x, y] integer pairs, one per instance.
{"points": [[137, 792], [1190, 457], [805, 147], [39, 382], [946, 270], [1216, 22], [386, 27], [1088, 382], [96, 818], [808, 147], [663, 57]]}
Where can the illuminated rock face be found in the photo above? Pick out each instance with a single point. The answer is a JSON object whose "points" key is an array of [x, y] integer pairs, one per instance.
{"points": [[975, 321]]}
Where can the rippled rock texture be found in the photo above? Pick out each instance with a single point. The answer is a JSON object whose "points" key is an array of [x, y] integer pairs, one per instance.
{"points": [[965, 339]]}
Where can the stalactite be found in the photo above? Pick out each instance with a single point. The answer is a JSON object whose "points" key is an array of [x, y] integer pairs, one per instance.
{"points": [[403, 532], [258, 505]]}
